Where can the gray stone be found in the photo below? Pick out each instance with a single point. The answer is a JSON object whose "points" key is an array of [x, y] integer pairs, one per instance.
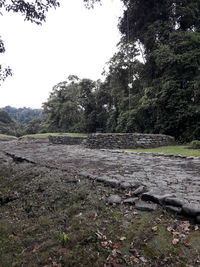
{"points": [[112, 182], [155, 197], [125, 185], [173, 209], [173, 202], [127, 140], [131, 200], [191, 209], [141, 189], [141, 205], [102, 178], [114, 199], [84, 174]]}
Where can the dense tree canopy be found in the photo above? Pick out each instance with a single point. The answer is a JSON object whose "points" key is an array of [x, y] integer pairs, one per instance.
{"points": [[169, 34], [151, 84], [157, 92], [76, 105], [23, 115]]}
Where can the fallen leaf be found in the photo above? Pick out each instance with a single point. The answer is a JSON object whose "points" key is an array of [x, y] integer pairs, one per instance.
{"points": [[170, 229], [176, 233], [95, 216], [154, 228], [175, 241], [116, 245], [187, 243], [185, 226], [63, 250], [115, 264], [134, 259], [182, 236], [143, 259], [129, 194], [114, 253], [104, 244]]}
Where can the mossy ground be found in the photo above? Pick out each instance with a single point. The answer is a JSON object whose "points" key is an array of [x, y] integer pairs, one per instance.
{"points": [[62, 220], [176, 150], [56, 134]]}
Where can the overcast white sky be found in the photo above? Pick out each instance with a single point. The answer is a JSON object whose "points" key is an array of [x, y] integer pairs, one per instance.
{"points": [[74, 40]]}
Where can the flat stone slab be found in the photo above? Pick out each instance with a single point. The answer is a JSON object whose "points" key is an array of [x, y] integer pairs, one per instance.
{"points": [[173, 202], [145, 206], [141, 189], [191, 210], [131, 200], [175, 175], [173, 209], [158, 198]]}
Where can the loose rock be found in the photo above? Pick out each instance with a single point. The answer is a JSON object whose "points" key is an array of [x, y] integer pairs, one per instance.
{"points": [[84, 174], [112, 182], [191, 209], [174, 209], [141, 189], [141, 205], [125, 185], [155, 197], [114, 199], [173, 202], [131, 200]]}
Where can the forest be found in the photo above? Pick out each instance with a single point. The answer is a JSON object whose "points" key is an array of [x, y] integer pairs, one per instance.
{"points": [[63, 205], [151, 85]]}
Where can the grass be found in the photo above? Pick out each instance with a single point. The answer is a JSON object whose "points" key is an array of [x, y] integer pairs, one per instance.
{"points": [[5, 135], [56, 134], [61, 220], [176, 150]]}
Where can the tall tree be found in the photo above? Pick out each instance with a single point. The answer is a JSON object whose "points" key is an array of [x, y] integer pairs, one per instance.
{"points": [[168, 34]]}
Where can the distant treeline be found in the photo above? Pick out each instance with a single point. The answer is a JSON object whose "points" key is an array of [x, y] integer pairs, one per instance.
{"points": [[20, 121], [23, 115]]}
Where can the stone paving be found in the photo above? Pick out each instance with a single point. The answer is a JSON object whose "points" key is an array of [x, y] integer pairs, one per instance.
{"points": [[162, 173]]}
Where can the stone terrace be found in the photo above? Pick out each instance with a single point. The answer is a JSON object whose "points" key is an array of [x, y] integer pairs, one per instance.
{"points": [[162, 173]]}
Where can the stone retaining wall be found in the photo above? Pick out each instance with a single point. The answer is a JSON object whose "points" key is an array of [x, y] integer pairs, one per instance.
{"points": [[66, 140], [34, 139], [7, 138], [128, 141]]}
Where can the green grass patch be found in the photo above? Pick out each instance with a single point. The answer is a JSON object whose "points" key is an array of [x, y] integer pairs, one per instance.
{"points": [[176, 150], [56, 134], [5, 135]]}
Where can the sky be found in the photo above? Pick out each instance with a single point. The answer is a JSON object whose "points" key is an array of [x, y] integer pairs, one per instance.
{"points": [[74, 40]]}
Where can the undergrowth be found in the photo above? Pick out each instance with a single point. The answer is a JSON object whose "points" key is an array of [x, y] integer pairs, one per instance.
{"points": [[59, 220]]}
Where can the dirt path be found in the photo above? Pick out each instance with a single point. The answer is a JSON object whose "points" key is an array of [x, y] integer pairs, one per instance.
{"points": [[168, 174]]}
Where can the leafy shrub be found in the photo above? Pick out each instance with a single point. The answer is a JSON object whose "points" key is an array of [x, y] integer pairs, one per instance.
{"points": [[195, 144]]}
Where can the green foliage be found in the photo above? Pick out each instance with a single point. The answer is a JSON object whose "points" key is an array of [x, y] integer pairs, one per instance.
{"points": [[176, 150], [7, 125], [76, 106], [23, 115], [160, 95], [195, 144]]}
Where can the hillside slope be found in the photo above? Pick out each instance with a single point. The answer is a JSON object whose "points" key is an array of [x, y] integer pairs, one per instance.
{"points": [[7, 125]]}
